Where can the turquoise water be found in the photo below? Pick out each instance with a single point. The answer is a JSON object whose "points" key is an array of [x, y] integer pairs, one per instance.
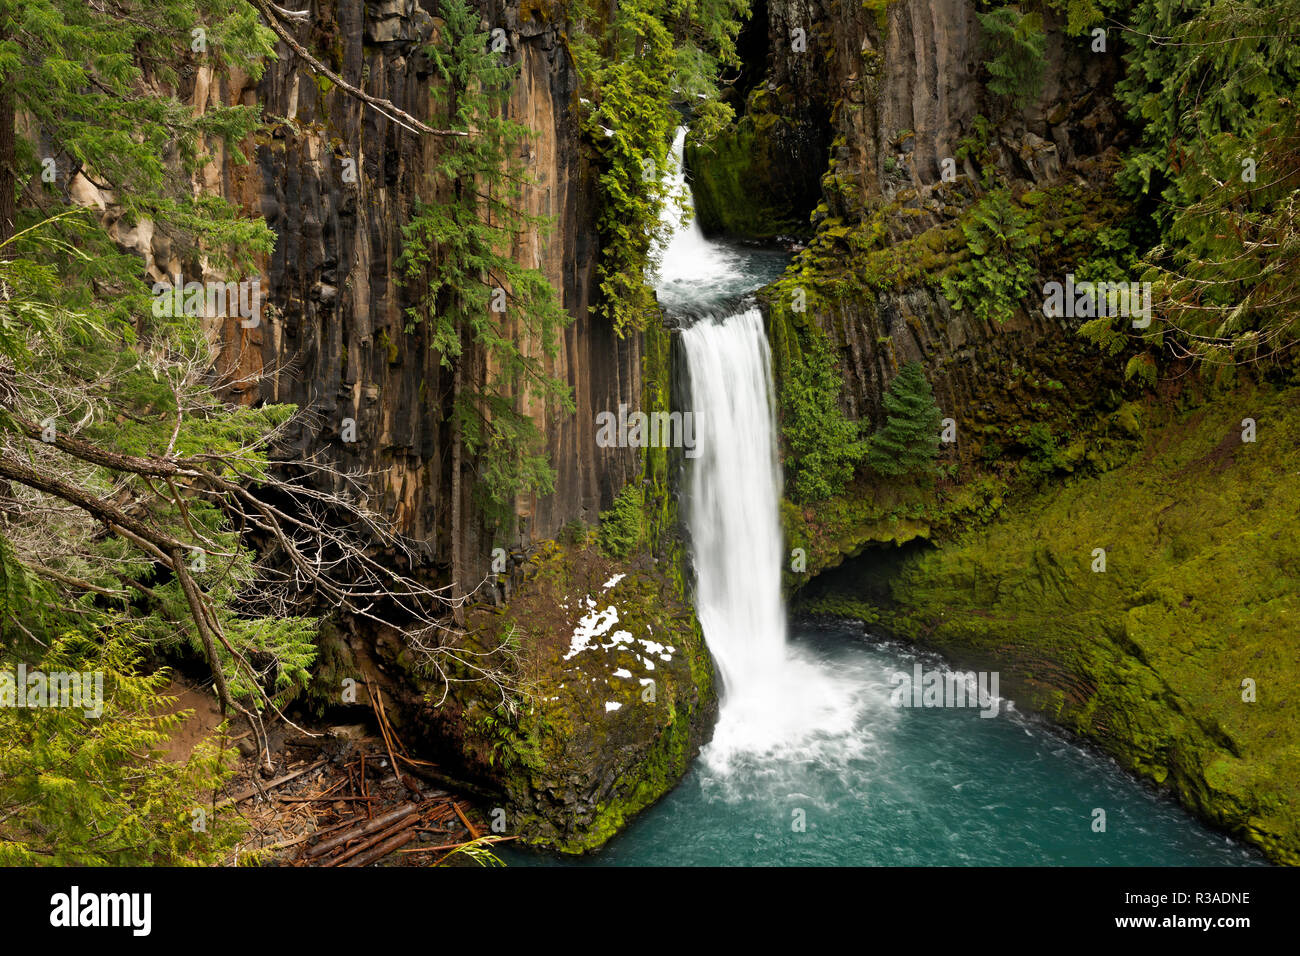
{"points": [[910, 787]]}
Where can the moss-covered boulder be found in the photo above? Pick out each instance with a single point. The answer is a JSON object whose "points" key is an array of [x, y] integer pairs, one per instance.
{"points": [[614, 697]]}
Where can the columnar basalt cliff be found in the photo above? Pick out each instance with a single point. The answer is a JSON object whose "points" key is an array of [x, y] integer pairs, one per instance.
{"points": [[334, 339], [336, 180]]}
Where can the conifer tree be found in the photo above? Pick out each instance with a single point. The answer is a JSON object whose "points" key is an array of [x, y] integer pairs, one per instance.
{"points": [[98, 82], [908, 442], [472, 292], [1016, 44], [1212, 87]]}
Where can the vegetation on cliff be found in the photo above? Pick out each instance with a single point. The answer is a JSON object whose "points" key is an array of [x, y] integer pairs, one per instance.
{"points": [[1224, 264], [822, 445], [908, 442], [458, 247], [641, 63]]}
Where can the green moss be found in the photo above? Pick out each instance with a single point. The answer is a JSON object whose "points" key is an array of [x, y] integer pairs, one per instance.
{"points": [[574, 769], [881, 9], [389, 346], [1148, 658], [839, 605], [734, 182]]}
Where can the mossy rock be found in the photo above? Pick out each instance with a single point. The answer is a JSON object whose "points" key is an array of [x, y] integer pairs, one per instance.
{"points": [[1151, 657], [619, 698], [739, 187]]}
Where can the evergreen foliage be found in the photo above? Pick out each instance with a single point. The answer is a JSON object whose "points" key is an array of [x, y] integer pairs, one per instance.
{"points": [[81, 790], [1212, 87], [95, 81], [622, 528], [458, 246], [823, 446], [908, 442], [640, 62], [1016, 46]]}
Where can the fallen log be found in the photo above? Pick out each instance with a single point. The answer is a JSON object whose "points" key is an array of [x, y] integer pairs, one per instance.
{"points": [[401, 826], [365, 829], [385, 848]]}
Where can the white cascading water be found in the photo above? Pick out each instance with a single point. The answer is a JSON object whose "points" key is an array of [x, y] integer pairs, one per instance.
{"points": [[772, 699], [689, 261]]}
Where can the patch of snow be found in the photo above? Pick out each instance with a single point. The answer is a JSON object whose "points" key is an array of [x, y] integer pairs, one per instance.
{"points": [[622, 672], [612, 581], [611, 705], [592, 625]]}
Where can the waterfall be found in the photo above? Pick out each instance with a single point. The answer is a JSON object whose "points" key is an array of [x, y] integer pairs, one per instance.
{"points": [[688, 256], [771, 698], [690, 269], [734, 492]]}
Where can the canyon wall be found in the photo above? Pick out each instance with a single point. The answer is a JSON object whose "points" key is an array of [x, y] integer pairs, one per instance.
{"points": [[333, 338], [877, 96]]}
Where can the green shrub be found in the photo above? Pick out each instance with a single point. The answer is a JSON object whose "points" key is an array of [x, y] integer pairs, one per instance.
{"points": [[81, 790], [622, 527], [998, 273], [822, 445]]}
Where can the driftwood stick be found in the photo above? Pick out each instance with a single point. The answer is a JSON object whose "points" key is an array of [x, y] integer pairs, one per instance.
{"points": [[454, 846], [473, 831], [278, 782]]}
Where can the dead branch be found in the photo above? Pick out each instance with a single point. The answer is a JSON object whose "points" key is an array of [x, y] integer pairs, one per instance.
{"points": [[385, 108]]}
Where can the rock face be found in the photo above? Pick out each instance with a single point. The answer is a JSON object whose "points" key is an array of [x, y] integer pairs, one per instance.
{"points": [[1178, 658], [333, 338], [336, 180], [882, 94]]}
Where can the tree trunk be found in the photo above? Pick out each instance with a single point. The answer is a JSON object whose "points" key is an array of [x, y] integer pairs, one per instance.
{"points": [[8, 172], [457, 569]]}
